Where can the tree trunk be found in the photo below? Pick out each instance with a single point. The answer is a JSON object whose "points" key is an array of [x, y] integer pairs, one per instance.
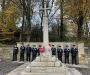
{"points": [[3, 7], [28, 17], [28, 29], [61, 18], [80, 24]]}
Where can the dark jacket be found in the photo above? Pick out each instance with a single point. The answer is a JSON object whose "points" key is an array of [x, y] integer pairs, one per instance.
{"points": [[59, 52], [15, 50], [74, 51], [66, 52], [53, 51], [28, 50], [34, 51], [22, 49]]}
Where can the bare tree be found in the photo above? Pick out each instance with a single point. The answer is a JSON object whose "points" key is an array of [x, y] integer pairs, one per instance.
{"points": [[25, 7]]}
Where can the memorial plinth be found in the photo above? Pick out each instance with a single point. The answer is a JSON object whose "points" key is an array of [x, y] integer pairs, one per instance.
{"points": [[46, 65]]}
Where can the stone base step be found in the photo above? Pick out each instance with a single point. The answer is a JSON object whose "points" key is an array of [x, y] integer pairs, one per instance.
{"points": [[45, 64], [43, 73], [47, 69], [48, 59], [42, 64], [45, 59]]}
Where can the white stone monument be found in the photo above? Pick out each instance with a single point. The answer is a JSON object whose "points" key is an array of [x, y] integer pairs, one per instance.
{"points": [[46, 64]]}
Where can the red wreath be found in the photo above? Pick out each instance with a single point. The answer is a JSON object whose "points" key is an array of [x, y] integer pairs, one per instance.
{"points": [[41, 49]]}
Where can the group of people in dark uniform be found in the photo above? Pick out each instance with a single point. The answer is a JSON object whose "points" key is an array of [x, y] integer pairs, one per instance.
{"points": [[25, 50], [66, 52], [34, 52]]}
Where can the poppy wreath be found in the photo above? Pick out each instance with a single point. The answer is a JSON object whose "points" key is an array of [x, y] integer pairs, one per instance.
{"points": [[41, 49]]}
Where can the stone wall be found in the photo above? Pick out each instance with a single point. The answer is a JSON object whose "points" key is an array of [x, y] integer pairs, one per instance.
{"points": [[87, 52], [6, 52]]}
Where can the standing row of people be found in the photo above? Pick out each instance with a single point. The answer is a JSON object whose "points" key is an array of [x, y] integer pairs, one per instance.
{"points": [[66, 52], [36, 51], [28, 50]]}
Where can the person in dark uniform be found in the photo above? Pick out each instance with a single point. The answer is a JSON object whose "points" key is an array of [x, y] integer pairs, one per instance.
{"points": [[34, 53], [53, 49], [22, 50], [28, 53], [38, 52], [15, 52], [66, 54], [74, 53], [59, 52]]}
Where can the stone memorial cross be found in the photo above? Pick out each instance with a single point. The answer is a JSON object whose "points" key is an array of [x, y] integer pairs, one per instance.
{"points": [[45, 27]]}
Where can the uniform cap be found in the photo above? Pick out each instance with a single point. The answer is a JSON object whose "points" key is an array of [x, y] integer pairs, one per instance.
{"points": [[52, 45], [59, 46], [73, 45], [49, 44], [66, 45], [40, 45]]}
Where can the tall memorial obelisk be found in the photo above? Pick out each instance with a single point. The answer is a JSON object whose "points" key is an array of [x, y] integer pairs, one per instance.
{"points": [[45, 25], [45, 30]]}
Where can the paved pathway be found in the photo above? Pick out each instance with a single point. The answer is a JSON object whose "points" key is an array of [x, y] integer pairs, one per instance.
{"points": [[74, 71], [83, 69], [18, 70], [77, 66], [7, 66]]}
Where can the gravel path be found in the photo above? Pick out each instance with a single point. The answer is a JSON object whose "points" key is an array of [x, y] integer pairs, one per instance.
{"points": [[7, 66]]}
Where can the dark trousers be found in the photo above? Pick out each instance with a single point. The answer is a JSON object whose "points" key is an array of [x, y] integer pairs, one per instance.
{"points": [[28, 57], [66, 59], [33, 57], [21, 56], [60, 58], [74, 60], [14, 56], [53, 53]]}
